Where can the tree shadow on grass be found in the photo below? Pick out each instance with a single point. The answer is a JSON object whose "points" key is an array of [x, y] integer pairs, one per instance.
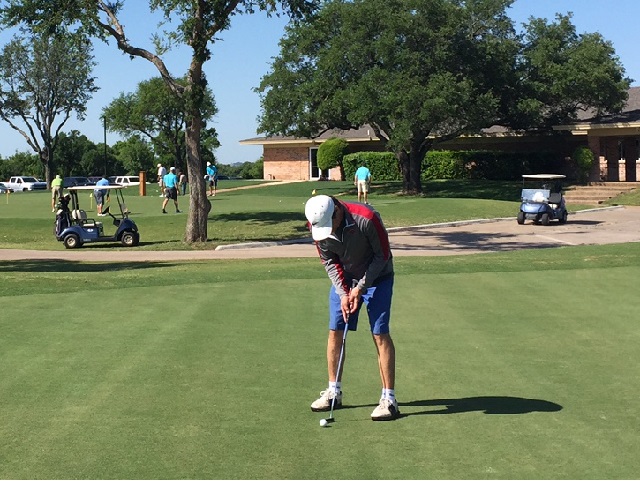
{"points": [[460, 189], [56, 265], [268, 218], [484, 404], [263, 217]]}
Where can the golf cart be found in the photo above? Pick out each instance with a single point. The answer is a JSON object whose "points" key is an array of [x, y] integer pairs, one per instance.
{"points": [[545, 203], [73, 228]]}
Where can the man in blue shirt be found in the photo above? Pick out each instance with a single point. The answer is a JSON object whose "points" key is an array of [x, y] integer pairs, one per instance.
{"points": [[170, 189], [100, 195], [212, 175], [362, 179]]}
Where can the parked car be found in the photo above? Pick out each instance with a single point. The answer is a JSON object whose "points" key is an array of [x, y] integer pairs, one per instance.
{"points": [[4, 189], [75, 181], [125, 180], [22, 183]]}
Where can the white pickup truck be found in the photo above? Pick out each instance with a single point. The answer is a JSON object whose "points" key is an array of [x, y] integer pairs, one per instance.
{"points": [[22, 183]]}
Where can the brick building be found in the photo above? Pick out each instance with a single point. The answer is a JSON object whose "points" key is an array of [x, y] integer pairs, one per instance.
{"points": [[614, 139]]}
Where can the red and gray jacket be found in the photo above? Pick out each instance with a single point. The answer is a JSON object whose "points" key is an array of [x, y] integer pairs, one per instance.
{"points": [[359, 252]]}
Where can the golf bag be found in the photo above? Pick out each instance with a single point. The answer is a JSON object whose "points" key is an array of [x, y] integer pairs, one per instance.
{"points": [[63, 215]]}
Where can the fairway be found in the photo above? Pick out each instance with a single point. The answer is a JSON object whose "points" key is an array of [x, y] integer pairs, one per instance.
{"points": [[510, 366]]}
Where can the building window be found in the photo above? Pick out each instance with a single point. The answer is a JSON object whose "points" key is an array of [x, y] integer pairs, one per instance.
{"points": [[315, 172]]}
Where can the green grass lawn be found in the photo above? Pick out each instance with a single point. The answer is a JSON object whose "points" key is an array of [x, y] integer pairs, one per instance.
{"points": [[520, 365], [274, 212]]}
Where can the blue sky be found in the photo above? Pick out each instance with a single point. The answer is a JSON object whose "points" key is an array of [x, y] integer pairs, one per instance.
{"points": [[243, 55]]}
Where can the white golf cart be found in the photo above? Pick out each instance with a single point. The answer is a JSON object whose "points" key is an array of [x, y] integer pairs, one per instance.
{"points": [[544, 203]]}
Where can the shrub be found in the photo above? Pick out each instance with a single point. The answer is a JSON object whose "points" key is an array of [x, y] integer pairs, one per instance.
{"points": [[443, 164], [583, 158], [331, 152], [485, 165], [383, 165], [446, 164]]}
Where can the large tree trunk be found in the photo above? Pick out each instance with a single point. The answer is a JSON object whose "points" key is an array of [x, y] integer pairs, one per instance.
{"points": [[415, 171], [199, 205], [45, 161], [403, 164], [411, 169]]}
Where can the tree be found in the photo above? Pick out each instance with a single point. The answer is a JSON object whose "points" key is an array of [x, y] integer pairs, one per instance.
{"points": [[197, 22], [20, 163], [330, 154], [135, 155], [44, 79], [583, 158], [421, 72], [155, 113], [566, 73]]}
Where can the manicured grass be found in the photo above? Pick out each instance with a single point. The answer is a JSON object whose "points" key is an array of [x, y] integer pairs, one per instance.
{"points": [[520, 365], [629, 198], [274, 212]]}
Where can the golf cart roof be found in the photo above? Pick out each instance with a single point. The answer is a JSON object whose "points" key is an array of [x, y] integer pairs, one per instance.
{"points": [[543, 176], [96, 187]]}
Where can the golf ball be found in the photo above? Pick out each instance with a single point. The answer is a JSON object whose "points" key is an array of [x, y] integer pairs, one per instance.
{"points": [[323, 422]]}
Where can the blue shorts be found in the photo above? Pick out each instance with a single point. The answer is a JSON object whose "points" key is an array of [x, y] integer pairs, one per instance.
{"points": [[378, 302]]}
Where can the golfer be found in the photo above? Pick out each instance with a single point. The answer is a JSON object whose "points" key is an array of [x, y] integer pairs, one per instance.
{"points": [[100, 195], [170, 182], [354, 247], [56, 191], [212, 175], [362, 179]]}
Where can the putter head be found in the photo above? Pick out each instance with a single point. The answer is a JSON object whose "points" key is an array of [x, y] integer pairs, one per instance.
{"points": [[330, 420]]}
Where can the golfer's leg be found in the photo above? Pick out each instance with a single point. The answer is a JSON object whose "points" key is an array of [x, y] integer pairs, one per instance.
{"points": [[334, 345], [386, 359]]}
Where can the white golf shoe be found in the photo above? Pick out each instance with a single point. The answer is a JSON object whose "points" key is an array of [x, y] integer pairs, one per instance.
{"points": [[387, 410], [323, 403]]}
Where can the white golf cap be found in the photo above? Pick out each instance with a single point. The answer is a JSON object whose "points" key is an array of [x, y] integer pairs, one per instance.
{"points": [[172, 168], [208, 164], [319, 213], [159, 165]]}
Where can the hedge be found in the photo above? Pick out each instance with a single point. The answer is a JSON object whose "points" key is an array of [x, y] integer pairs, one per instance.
{"points": [[383, 165], [446, 164]]}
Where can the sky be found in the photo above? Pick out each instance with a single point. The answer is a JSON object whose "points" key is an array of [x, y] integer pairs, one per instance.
{"points": [[243, 54]]}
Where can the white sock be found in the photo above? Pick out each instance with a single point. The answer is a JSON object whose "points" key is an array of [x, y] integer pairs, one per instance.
{"points": [[388, 394], [335, 386]]}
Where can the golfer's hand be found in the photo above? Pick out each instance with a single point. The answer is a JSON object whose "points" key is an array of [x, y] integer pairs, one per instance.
{"points": [[345, 307], [354, 299]]}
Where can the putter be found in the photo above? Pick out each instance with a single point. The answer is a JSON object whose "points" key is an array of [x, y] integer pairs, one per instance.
{"points": [[331, 419]]}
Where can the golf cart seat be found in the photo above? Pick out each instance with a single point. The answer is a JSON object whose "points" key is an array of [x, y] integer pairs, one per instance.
{"points": [[80, 216], [555, 198]]}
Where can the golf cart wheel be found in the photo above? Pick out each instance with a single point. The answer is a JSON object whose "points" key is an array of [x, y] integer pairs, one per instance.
{"points": [[130, 239], [563, 218], [520, 217], [544, 219], [72, 241]]}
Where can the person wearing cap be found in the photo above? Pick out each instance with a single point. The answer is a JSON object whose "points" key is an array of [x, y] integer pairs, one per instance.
{"points": [[170, 182], [353, 245], [56, 191], [100, 195], [212, 175], [161, 173]]}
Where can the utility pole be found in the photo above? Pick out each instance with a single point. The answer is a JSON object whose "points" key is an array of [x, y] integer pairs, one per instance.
{"points": [[105, 145]]}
